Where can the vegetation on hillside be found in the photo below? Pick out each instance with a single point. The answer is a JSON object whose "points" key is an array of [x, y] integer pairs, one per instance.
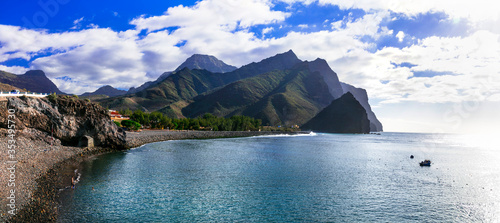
{"points": [[156, 120]]}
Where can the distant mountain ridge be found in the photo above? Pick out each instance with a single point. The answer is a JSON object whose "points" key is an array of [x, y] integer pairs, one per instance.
{"points": [[105, 90], [279, 90], [33, 80], [148, 84], [207, 62], [196, 61], [179, 88]]}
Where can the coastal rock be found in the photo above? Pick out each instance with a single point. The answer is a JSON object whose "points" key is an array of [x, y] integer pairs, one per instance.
{"points": [[362, 96], [68, 119], [343, 115]]}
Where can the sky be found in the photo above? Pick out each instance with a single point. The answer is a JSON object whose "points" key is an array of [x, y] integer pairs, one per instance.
{"points": [[427, 65]]}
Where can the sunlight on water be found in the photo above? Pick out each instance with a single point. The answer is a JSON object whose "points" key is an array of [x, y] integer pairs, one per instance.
{"points": [[287, 135], [489, 141]]}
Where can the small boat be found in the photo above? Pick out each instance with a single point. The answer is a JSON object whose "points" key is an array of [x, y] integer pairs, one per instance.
{"points": [[425, 163]]}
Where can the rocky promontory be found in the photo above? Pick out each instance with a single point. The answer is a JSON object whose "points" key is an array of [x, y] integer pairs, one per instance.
{"points": [[343, 115], [66, 118]]}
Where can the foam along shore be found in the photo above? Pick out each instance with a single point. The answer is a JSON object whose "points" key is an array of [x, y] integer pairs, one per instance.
{"points": [[41, 169]]}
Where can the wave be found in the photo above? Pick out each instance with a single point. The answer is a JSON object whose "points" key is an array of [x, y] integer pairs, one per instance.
{"points": [[287, 135]]}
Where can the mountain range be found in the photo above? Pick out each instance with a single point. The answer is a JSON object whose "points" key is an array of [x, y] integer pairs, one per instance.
{"points": [[279, 90]]}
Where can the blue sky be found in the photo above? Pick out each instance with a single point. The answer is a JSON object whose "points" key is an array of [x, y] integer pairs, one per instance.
{"points": [[420, 61]]}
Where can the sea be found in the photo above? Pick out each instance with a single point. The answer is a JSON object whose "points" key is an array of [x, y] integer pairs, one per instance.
{"points": [[311, 177]]}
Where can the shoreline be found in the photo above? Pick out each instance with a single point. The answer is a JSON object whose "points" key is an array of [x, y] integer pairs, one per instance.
{"points": [[41, 199], [136, 139]]}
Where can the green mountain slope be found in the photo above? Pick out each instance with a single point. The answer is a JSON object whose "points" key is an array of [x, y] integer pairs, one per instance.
{"points": [[285, 97], [179, 88], [280, 90]]}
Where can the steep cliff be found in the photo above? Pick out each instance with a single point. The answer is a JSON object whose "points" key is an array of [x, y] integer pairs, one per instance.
{"points": [[343, 115], [362, 96], [69, 120]]}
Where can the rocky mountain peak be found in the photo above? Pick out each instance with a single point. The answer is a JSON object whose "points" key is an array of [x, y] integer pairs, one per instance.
{"points": [[106, 90], [38, 73], [207, 62], [330, 77]]}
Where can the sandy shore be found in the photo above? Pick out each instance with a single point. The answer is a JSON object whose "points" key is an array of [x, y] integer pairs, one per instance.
{"points": [[39, 171]]}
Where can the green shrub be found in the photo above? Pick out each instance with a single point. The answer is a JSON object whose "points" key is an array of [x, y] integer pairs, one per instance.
{"points": [[117, 123], [131, 124]]}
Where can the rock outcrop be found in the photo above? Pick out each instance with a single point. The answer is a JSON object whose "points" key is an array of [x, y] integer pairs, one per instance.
{"points": [[69, 120], [343, 115], [361, 95]]}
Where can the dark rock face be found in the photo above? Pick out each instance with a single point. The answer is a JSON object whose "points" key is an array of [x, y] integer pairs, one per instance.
{"points": [[69, 119], [106, 90], [343, 115], [329, 76], [361, 95], [207, 62]]}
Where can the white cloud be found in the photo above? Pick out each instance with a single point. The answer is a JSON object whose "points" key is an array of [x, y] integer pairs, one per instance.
{"points": [[14, 69], [303, 26], [96, 57], [219, 14], [77, 23], [477, 11], [267, 30], [400, 36], [468, 64]]}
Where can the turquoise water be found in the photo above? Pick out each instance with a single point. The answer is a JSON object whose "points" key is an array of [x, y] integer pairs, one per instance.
{"points": [[308, 178]]}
